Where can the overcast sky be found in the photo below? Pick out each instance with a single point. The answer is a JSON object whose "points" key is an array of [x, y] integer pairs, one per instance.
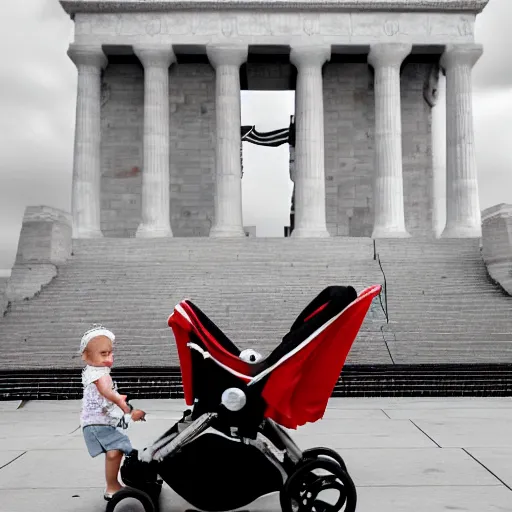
{"points": [[37, 109]]}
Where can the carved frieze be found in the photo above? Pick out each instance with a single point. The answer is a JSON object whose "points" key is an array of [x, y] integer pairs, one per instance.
{"points": [[457, 25], [270, 27]]}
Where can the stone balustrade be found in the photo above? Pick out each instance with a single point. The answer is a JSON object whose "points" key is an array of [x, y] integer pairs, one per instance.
{"points": [[44, 243], [497, 244]]}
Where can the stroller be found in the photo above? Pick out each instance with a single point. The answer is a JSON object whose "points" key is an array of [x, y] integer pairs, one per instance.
{"points": [[231, 448]]}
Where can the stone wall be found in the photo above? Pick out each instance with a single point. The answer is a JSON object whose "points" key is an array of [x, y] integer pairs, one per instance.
{"points": [[349, 148], [497, 244], [3, 297], [417, 150], [348, 120], [122, 116], [192, 153], [192, 148], [44, 243]]}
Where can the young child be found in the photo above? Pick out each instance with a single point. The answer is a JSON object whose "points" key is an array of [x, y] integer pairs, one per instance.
{"points": [[103, 406]]}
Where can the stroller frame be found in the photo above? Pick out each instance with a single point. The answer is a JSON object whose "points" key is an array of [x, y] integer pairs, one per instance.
{"points": [[237, 419]]}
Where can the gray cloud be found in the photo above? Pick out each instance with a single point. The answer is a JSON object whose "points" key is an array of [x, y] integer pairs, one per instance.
{"points": [[493, 30], [493, 133], [37, 109]]}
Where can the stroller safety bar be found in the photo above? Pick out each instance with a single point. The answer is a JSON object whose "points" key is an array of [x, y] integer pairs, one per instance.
{"points": [[169, 444]]}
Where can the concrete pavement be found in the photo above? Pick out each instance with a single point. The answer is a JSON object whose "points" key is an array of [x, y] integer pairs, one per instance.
{"points": [[405, 455]]}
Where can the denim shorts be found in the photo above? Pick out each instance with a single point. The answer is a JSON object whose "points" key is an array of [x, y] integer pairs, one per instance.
{"points": [[103, 438]]}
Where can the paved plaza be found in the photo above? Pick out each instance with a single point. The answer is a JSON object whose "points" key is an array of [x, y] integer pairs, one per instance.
{"points": [[422, 455]]}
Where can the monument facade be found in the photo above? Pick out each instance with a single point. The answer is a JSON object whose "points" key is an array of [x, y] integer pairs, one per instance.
{"points": [[157, 143]]}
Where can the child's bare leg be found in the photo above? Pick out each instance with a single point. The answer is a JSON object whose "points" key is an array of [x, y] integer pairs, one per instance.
{"points": [[112, 464]]}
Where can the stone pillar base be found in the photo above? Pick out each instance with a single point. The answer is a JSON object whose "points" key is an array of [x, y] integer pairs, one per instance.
{"points": [[462, 232], [310, 233], [227, 232], [145, 231], [390, 233]]}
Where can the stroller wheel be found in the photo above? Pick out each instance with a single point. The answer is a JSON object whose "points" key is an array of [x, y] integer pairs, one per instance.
{"points": [[302, 489], [134, 501], [315, 453]]}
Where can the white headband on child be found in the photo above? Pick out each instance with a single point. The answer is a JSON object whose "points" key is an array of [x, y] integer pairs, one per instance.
{"points": [[97, 330]]}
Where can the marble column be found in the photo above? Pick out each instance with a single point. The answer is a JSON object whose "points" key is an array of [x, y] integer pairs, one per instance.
{"points": [[463, 218], [388, 192], [156, 60], [85, 199], [228, 173], [309, 186]]}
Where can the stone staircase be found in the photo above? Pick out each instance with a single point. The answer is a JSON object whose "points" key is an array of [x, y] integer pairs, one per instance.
{"points": [[442, 306], [253, 289]]}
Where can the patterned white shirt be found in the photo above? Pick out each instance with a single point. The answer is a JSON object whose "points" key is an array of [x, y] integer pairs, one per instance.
{"points": [[96, 409]]}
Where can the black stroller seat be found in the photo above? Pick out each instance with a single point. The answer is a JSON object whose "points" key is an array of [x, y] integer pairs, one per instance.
{"points": [[231, 447], [331, 301]]}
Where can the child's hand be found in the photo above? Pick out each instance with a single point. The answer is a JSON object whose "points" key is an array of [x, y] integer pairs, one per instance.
{"points": [[138, 415], [124, 397]]}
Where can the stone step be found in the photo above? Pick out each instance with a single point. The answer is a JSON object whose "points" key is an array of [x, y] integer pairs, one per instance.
{"points": [[242, 302], [208, 252], [238, 281], [238, 321], [162, 287], [132, 328], [225, 244], [393, 267], [131, 325], [48, 315], [149, 338], [431, 279], [206, 290], [401, 271], [221, 266]]}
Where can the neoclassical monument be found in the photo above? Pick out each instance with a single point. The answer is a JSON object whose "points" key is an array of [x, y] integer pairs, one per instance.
{"points": [[157, 144]]}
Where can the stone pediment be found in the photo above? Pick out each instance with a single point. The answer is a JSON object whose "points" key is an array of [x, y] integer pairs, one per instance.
{"points": [[95, 6]]}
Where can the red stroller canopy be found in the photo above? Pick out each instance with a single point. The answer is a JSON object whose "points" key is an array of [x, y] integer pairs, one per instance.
{"points": [[298, 377]]}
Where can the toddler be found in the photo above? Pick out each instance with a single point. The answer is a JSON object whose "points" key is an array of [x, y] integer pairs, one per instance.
{"points": [[103, 407]]}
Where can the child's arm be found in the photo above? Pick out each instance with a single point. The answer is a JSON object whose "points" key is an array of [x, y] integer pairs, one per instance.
{"points": [[104, 385]]}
